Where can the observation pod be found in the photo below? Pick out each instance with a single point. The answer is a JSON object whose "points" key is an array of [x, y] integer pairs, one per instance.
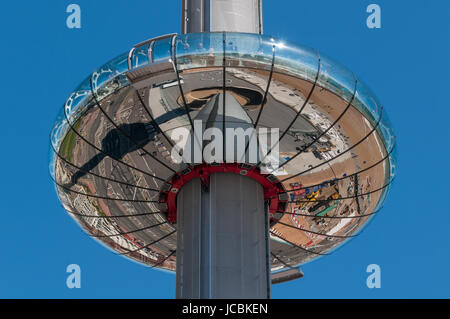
{"points": [[231, 158]]}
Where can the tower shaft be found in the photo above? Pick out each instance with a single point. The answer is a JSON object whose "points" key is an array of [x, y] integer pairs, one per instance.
{"points": [[221, 15], [222, 239]]}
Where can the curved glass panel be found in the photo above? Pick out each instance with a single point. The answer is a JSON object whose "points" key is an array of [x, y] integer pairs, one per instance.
{"points": [[56, 138], [196, 50], [59, 129], [390, 163], [290, 91], [367, 103], [393, 163], [336, 78], [79, 100], [297, 60], [249, 50], [52, 161], [140, 56], [106, 81], [387, 132], [327, 152], [120, 63]]}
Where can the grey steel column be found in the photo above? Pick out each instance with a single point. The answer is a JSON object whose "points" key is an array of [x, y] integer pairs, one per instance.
{"points": [[221, 15], [222, 239]]}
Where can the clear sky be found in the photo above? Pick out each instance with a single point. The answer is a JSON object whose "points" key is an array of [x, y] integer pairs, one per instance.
{"points": [[406, 63]]}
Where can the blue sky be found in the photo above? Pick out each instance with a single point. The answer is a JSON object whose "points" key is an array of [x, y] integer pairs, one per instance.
{"points": [[406, 63]]}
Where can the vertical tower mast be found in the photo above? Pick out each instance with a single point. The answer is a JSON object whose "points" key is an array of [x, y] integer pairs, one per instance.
{"points": [[221, 15], [222, 226]]}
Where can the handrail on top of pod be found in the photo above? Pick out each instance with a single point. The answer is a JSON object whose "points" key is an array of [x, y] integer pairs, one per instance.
{"points": [[150, 49]]}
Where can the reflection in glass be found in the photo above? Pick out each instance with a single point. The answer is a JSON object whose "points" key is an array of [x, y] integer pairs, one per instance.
{"points": [[296, 60], [249, 50], [140, 56], [196, 50], [367, 103]]}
